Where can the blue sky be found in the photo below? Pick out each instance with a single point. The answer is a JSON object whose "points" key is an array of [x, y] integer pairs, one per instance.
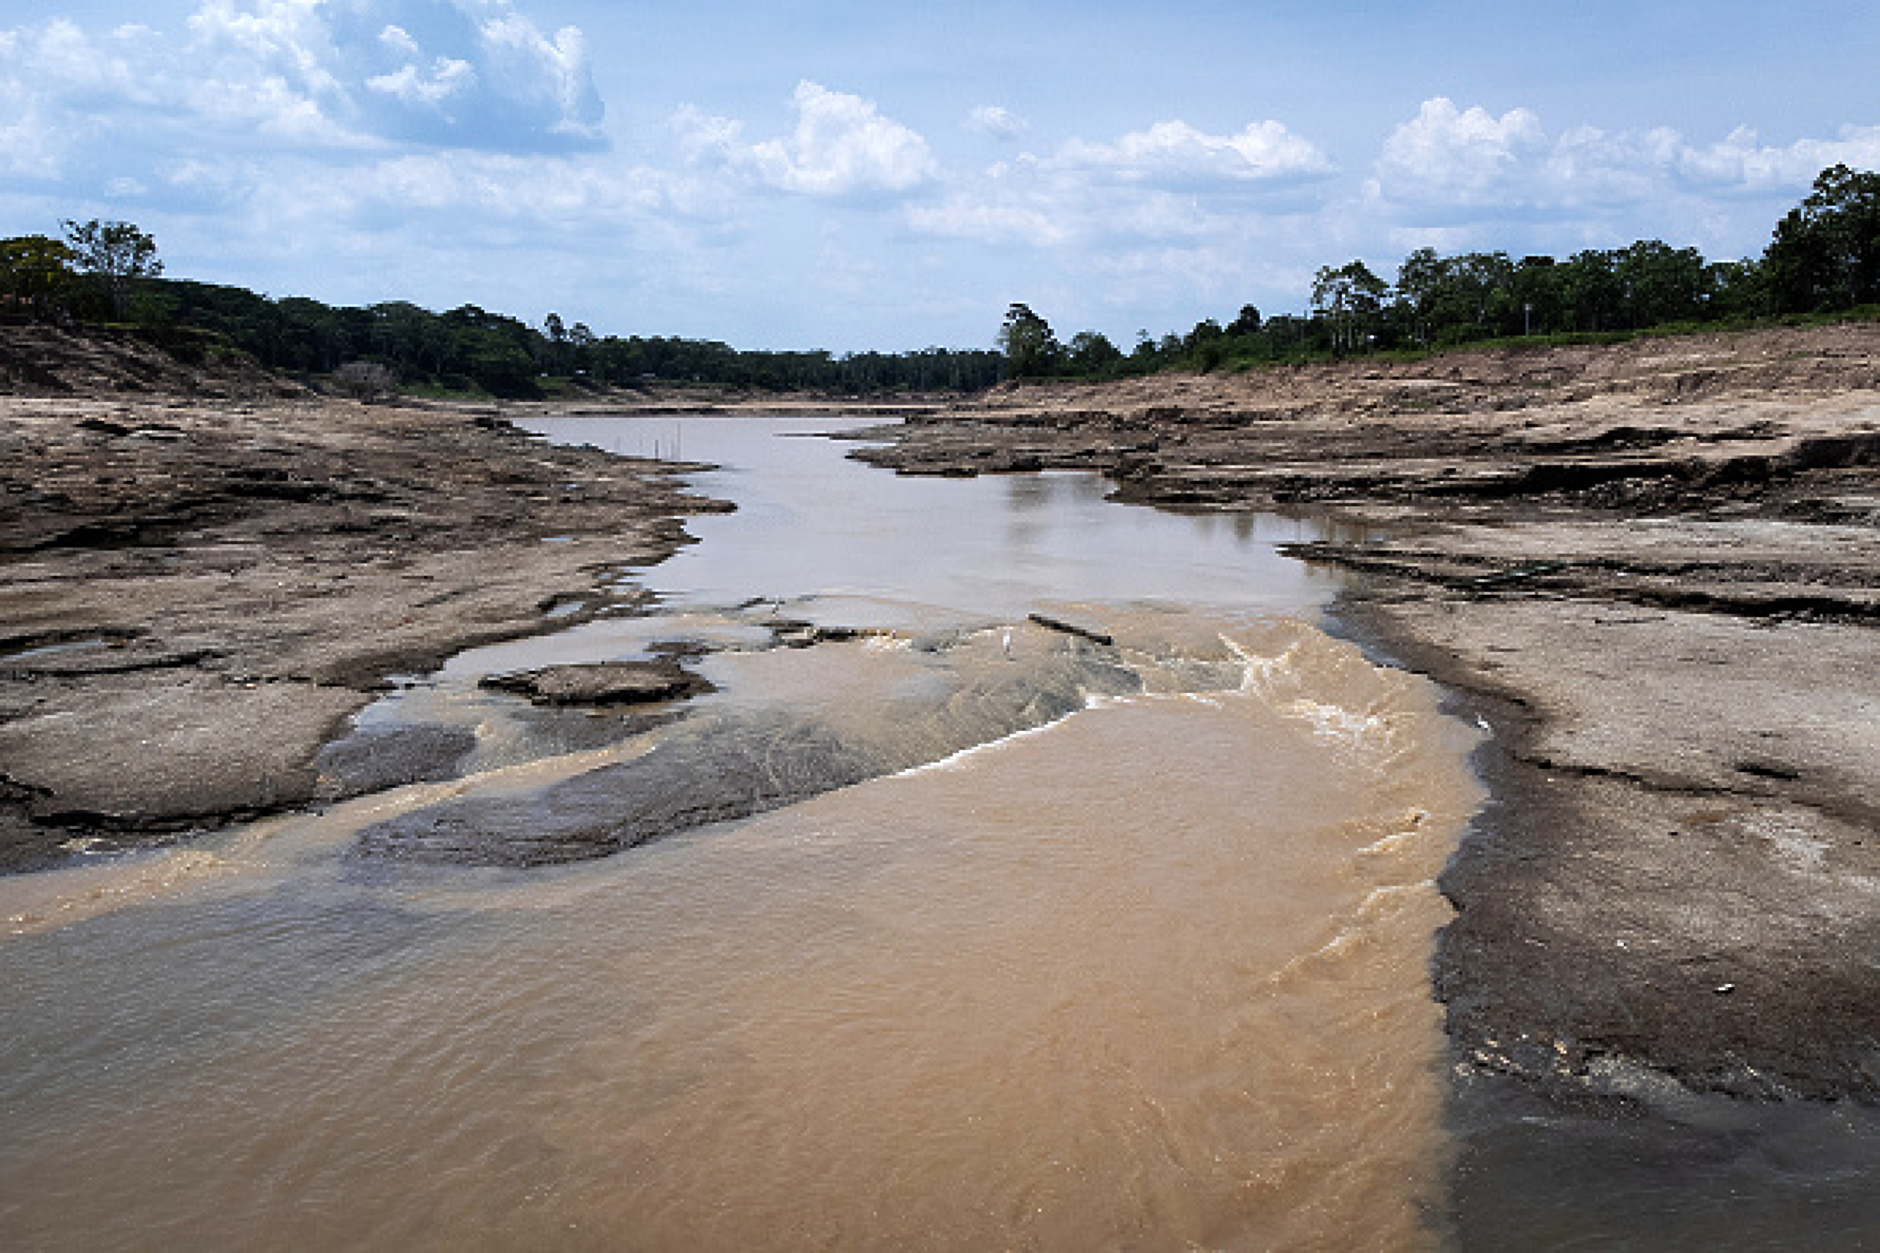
{"points": [[892, 175]]}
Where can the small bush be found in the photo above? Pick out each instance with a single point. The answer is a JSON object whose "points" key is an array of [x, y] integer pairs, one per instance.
{"points": [[365, 380]]}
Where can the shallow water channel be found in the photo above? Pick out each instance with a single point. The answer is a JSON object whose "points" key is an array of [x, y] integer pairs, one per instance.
{"points": [[1031, 941]]}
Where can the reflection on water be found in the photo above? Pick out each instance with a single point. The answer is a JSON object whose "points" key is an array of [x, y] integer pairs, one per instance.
{"points": [[812, 524], [1115, 945]]}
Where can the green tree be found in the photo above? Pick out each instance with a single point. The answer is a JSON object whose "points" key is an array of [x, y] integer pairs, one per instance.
{"points": [[1093, 355], [1536, 291], [36, 271], [1349, 299], [1247, 322], [1030, 347], [1660, 283], [1826, 251], [1420, 284], [1739, 290], [555, 360], [117, 254], [581, 342], [1590, 289]]}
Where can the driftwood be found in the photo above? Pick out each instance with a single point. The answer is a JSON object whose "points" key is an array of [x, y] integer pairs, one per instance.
{"points": [[1085, 633]]}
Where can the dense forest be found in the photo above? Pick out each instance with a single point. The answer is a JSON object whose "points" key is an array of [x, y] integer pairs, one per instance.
{"points": [[472, 349], [1824, 258]]}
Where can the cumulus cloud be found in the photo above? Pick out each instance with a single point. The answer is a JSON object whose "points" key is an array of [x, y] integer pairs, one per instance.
{"points": [[1740, 161], [431, 86], [1448, 166], [1177, 155], [1002, 212], [471, 74], [841, 145], [1462, 159], [1168, 182]]}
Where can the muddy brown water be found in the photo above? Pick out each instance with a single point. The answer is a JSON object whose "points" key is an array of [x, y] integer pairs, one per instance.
{"points": [[1111, 946]]}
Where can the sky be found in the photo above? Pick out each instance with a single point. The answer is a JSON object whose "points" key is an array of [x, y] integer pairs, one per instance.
{"points": [[892, 175]]}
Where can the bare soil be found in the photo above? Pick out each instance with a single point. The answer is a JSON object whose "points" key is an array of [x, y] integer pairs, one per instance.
{"points": [[1653, 569], [199, 585]]}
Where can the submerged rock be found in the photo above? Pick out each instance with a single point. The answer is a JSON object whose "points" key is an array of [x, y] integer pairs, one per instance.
{"points": [[722, 765], [376, 758]]}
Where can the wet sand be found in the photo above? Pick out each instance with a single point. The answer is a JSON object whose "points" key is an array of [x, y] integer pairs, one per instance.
{"points": [[1654, 570]]}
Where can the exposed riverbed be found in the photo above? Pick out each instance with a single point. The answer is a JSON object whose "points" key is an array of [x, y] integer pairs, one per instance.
{"points": [[1052, 941], [1013, 868]]}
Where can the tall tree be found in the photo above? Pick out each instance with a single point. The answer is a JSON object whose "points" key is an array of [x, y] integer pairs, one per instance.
{"points": [[1589, 286], [1349, 298], [1826, 251], [1029, 344], [1536, 290], [1422, 282], [118, 254]]}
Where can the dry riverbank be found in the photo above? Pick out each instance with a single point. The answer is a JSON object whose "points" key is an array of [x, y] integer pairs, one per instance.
{"points": [[1654, 569], [197, 592]]}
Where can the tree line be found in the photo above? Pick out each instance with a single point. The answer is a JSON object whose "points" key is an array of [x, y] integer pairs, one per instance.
{"points": [[108, 273], [469, 349], [1823, 258]]}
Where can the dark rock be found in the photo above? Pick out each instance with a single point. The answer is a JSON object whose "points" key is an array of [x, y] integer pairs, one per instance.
{"points": [[602, 683], [374, 759]]}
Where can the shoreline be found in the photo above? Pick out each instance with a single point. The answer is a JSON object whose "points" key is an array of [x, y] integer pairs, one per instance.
{"points": [[199, 592], [1654, 571], [1627, 903]]}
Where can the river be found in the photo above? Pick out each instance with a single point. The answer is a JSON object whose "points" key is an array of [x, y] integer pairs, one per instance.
{"points": [[1060, 944]]}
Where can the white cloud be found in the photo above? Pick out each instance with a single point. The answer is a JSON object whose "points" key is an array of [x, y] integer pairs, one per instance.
{"points": [[843, 145], [1168, 182], [1448, 167], [1026, 218], [1739, 161], [399, 41], [1176, 155], [1460, 159], [999, 123], [306, 73], [553, 71], [445, 78]]}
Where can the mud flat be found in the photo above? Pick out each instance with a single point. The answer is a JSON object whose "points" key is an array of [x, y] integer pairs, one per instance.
{"points": [[201, 580], [1654, 570]]}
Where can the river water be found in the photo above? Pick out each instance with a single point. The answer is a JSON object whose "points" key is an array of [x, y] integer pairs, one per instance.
{"points": [[1052, 943]]}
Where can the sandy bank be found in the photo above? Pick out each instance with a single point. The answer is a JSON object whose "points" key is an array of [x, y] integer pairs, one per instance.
{"points": [[1654, 569]]}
